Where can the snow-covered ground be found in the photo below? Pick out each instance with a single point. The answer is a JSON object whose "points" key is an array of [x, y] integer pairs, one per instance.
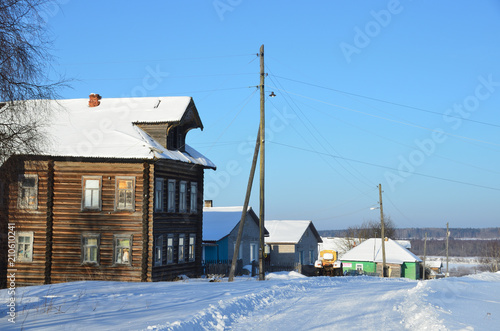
{"points": [[285, 301]]}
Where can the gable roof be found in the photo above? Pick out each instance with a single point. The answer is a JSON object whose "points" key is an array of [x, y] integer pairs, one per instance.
{"points": [[289, 231], [371, 250], [109, 130], [218, 222]]}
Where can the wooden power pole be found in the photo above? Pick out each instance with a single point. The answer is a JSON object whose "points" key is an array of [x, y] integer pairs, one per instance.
{"points": [[382, 231], [447, 236], [245, 208], [425, 254], [262, 163]]}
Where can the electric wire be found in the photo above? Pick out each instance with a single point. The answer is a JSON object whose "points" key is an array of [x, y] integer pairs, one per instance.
{"points": [[389, 102], [319, 142], [391, 120], [389, 168]]}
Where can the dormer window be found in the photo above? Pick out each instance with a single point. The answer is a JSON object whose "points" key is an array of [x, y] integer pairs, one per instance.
{"points": [[175, 139]]}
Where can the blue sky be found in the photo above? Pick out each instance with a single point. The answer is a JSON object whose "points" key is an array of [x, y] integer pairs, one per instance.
{"points": [[401, 93]]}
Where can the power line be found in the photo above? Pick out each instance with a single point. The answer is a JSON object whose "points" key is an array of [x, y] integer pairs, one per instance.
{"points": [[387, 102], [386, 167], [389, 119]]}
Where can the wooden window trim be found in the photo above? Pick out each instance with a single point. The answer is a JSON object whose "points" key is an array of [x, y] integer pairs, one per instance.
{"points": [[170, 239], [159, 194], [117, 193], [193, 198], [91, 236], [183, 208], [192, 248], [20, 201], [31, 235], [116, 237], [158, 250], [181, 252], [171, 196], [84, 180]]}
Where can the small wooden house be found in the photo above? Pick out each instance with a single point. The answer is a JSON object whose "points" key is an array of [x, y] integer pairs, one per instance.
{"points": [[292, 242], [220, 231], [115, 195], [367, 258]]}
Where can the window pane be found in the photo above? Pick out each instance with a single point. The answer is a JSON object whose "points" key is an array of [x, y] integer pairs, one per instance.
{"points": [[28, 182], [92, 183]]}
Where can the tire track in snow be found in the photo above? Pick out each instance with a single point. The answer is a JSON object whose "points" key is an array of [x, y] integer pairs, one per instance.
{"points": [[221, 315], [417, 313]]}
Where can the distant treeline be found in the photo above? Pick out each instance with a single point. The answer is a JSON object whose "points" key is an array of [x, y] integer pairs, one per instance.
{"points": [[432, 233], [463, 248]]}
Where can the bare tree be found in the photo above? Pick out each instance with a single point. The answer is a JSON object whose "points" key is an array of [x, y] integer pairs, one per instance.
{"points": [[25, 87], [369, 229]]}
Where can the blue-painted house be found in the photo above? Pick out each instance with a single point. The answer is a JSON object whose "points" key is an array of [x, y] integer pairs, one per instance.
{"points": [[220, 230]]}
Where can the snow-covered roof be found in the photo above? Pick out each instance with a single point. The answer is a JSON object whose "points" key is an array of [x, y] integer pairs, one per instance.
{"points": [[108, 130], [433, 264], [405, 243], [371, 250], [218, 222], [337, 244], [288, 231]]}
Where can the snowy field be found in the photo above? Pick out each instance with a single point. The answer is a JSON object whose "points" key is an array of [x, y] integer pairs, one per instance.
{"points": [[285, 301]]}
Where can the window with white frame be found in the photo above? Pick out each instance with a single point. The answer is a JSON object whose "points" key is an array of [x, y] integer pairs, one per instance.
{"points": [[193, 208], [253, 252], [159, 250], [28, 192], [91, 195], [123, 249], [192, 242], [159, 194], [181, 257], [90, 248], [170, 249], [183, 197], [125, 193], [171, 196], [24, 246], [359, 267]]}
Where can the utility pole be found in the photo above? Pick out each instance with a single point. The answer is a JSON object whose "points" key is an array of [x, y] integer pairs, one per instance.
{"points": [[447, 236], [262, 168], [425, 253], [382, 232], [245, 207]]}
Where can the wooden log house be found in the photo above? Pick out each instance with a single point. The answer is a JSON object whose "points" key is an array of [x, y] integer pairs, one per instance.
{"points": [[116, 195]]}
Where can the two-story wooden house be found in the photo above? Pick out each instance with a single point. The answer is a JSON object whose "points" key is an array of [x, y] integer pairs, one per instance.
{"points": [[116, 194]]}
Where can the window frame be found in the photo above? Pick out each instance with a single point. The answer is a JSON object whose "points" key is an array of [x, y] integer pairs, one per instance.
{"points": [[254, 250], [193, 195], [85, 259], [99, 190], [31, 236], [22, 199], [158, 259], [181, 249], [192, 247], [183, 196], [159, 194], [171, 195], [116, 238], [117, 194], [170, 249]]}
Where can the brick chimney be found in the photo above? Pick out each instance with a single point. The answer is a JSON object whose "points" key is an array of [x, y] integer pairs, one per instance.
{"points": [[94, 100], [208, 203]]}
